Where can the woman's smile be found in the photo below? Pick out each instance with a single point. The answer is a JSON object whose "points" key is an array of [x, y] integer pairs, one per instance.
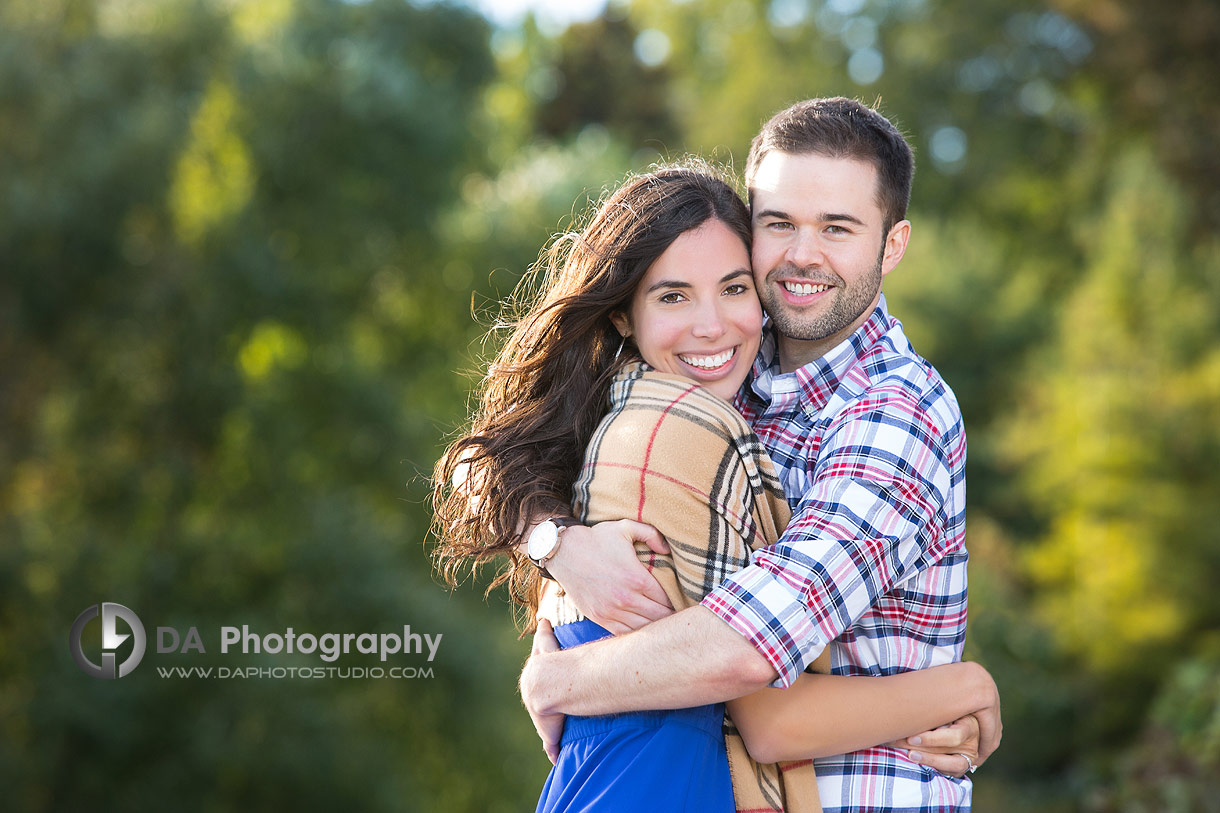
{"points": [[708, 362]]}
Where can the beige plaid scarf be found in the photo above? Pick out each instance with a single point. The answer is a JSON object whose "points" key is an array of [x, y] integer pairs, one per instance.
{"points": [[673, 455]]}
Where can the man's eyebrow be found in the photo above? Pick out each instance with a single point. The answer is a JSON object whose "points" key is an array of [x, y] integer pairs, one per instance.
{"points": [[825, 217], [831, 216]]}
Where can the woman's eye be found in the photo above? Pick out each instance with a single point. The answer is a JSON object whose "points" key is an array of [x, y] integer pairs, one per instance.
{"points": [[737, 288], [671, 298]]}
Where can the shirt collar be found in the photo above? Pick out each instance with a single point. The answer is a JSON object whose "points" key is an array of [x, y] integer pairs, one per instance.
{"points": [[814, 382]]}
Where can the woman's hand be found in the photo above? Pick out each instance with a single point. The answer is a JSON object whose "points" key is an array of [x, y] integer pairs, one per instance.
{"points": [[951, 749], [548, 726]]}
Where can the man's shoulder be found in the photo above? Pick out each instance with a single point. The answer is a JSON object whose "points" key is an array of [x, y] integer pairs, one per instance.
{"points": [[889, 374]]}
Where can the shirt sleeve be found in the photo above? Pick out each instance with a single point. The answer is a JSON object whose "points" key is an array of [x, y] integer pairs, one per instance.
{"points": [[873, 515]]}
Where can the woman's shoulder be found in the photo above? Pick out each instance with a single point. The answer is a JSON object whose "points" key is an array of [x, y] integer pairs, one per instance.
{"points": [[639, 390]]}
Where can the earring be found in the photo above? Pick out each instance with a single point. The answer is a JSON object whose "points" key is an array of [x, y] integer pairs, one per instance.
{"points": [[620, 349]]}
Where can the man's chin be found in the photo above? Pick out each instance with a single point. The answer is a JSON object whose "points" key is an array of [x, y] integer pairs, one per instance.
{"points": [[803, 326]]}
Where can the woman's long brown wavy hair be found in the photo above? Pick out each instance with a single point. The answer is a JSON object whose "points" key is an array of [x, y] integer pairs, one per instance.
{"points": [[548, 387]]}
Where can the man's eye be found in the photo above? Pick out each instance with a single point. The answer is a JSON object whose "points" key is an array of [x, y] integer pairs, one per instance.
{"points": [[779, 225], [833, 229]]}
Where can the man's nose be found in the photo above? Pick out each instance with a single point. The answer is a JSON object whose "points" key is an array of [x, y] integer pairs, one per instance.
{"points": [[805, 249]]}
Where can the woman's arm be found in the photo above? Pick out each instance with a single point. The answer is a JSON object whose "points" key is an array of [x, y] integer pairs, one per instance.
{"points": [[822, 715]]}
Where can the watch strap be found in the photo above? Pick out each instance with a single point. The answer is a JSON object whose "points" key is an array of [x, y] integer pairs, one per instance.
{"points": [[561, 524]]}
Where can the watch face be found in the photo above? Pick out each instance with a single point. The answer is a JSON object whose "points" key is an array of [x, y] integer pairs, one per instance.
{"points": [[542, 540]]}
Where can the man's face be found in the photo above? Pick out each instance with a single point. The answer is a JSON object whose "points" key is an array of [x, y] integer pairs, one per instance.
{"points": [[820, 249]]}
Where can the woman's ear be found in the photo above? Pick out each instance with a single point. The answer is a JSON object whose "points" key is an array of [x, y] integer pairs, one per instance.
{"points": [[621, 323]]}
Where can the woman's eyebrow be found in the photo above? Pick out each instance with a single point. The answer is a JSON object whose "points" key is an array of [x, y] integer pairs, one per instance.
{"points": [[668, 283], [673, 283]]}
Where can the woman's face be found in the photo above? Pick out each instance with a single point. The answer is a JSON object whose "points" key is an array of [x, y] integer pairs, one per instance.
{"points": [[695, 312]]}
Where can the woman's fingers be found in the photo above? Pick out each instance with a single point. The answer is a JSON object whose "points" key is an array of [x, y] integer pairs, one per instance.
{"points": [[948, 764], [961, 735]]}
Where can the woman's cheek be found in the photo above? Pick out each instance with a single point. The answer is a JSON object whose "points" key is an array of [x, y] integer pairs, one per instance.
{"points": [[752, 315]]}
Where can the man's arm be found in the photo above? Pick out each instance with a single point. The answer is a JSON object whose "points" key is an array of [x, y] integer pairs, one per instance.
{"points": [[687, 659], [607, 684], [873, 514], [883, 505]]}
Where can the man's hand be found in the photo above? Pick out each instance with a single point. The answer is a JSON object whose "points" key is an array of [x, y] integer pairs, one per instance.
{"points": [[598, 569], [548, 726]]}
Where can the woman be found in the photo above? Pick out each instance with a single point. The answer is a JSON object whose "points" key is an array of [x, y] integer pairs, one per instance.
{"points": [[652, 308]]}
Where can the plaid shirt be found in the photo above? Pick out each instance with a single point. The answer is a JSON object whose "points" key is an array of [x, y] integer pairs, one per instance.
{"points": [[869, 444]]}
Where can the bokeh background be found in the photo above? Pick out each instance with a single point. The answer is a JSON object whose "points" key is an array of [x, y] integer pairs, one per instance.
{"points": [[247, 253]]}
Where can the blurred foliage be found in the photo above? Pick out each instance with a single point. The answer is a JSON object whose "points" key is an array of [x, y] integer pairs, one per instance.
{"points": [[1158, 71], [241, 245], [591, 83]]}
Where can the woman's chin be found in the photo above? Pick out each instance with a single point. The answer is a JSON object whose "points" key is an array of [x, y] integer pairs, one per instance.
{"points": [[723, 382], [724, 387]]}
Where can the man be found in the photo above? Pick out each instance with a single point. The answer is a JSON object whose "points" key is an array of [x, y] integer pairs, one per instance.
{"points": [[869, 442]]}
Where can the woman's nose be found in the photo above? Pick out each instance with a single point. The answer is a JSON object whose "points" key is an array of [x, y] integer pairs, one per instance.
{"points": [[709, 322]]}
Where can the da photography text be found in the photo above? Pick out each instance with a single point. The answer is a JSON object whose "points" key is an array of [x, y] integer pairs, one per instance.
{"points": [[328, 646]]}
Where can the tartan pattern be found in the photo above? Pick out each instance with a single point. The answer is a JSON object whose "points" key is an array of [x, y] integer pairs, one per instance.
{"points": [[671, 454], [871, 449]]}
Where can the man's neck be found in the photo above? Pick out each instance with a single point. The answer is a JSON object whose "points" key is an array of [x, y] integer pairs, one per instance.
{"points": [[796, 353]]}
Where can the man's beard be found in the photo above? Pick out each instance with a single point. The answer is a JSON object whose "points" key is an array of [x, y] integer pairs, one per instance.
{"points": [[847, 306]]}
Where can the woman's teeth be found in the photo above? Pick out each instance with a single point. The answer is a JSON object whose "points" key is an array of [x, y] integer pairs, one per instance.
{"points": [[805, 288], [709, 362]]}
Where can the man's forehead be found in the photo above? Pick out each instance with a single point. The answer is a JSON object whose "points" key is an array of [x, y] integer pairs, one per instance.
{"points": [[799, 177]]}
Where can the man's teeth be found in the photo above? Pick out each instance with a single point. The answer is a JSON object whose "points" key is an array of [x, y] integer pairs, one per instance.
{"points": [[709, 362], [805, 288]]}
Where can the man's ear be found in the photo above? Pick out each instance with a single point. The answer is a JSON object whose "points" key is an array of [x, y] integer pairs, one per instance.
{"points": [[895, 246], [621, 323]]}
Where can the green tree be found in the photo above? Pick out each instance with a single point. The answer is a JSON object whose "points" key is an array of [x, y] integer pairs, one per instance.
{"points": [[1113, 440], [223, 389]]}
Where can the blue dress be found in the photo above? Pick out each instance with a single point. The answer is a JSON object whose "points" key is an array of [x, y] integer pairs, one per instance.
{"points": [[652, 760]]}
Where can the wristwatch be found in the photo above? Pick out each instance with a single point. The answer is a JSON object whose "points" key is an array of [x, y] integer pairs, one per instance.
{"points": [[544, 541]]}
